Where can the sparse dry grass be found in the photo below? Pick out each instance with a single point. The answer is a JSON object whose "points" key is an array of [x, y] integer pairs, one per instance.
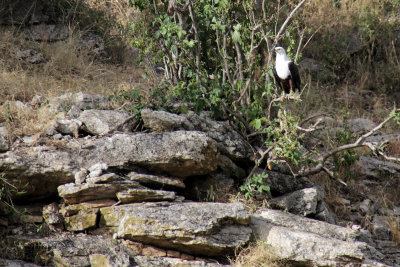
{"points": [[257, 254], [67, 69]]}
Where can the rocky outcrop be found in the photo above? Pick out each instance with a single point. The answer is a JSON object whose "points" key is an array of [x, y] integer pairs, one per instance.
{"points": [[38, 171], [181, 153], [230, 142], [373, 168], [70, 250], [196, 228], [313, 243]]}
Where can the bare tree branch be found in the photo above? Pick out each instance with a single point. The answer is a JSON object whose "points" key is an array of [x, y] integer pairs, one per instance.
{"points": [[358, 143]]}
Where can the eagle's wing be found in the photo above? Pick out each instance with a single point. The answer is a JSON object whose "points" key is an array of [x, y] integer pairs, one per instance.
{"points": [[294, 73], [277, 79]]}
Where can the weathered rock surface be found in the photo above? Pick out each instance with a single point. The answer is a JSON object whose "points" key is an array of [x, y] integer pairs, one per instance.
{"points": [[301, 202], [37, 171], [360, 125], [68, 250], [171, 262], [16, 263], [230, 142], [196, 228], [93, 43], [162, 121], [73, 194], [98, 122], [373, 168], [312, 243], [4, 144], [142, 195], [80, 100], [317, 70], [46, 32], [281, 183], [70, 127], [31, 56], [180, 153], [157, 181]]}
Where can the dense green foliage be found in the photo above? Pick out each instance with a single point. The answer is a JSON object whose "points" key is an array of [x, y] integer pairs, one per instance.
{"points": [[215, 53]]}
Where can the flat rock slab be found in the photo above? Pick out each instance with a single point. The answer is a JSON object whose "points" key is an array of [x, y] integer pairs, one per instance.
{"points": [[159, 181], [309, 242], [143, 195], [172, 262], [196, 228], [181, 153], [73, 194]]}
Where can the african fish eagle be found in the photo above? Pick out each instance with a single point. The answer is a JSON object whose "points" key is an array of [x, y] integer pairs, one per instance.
{"points": [[286, 72]]}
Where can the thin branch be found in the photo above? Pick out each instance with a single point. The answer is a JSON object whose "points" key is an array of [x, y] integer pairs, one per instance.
{"points": [[358, 143], [312, 117], [310, 129], [299, 46], [287, 21]]}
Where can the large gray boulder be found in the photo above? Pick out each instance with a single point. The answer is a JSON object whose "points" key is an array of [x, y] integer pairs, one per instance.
{"points": [[209, 229], [181, 153], [308, 242], [230, 142], [301, 202], [37, 171], [281, 183], [373, 168]]}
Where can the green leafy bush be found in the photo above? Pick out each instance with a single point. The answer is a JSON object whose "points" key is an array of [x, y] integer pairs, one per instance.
{"points": [[255, 184], [215, 53]]}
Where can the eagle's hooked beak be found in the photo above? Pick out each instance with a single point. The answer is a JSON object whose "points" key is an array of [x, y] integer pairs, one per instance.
{"points": [[276, 50]]}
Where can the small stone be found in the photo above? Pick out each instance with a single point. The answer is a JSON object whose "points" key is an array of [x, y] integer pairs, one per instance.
{"points": [[188, 257], [95, 173], [365, 206], [98, 166], [74, 112], [84, 220], [51, 214], [153, 251], [70, 127], [135, 246], [173, 254], [99, 260], [80, 176]]}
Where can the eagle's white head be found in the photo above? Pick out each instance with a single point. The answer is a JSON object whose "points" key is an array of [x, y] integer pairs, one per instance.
{"points": [[281, 54]]}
